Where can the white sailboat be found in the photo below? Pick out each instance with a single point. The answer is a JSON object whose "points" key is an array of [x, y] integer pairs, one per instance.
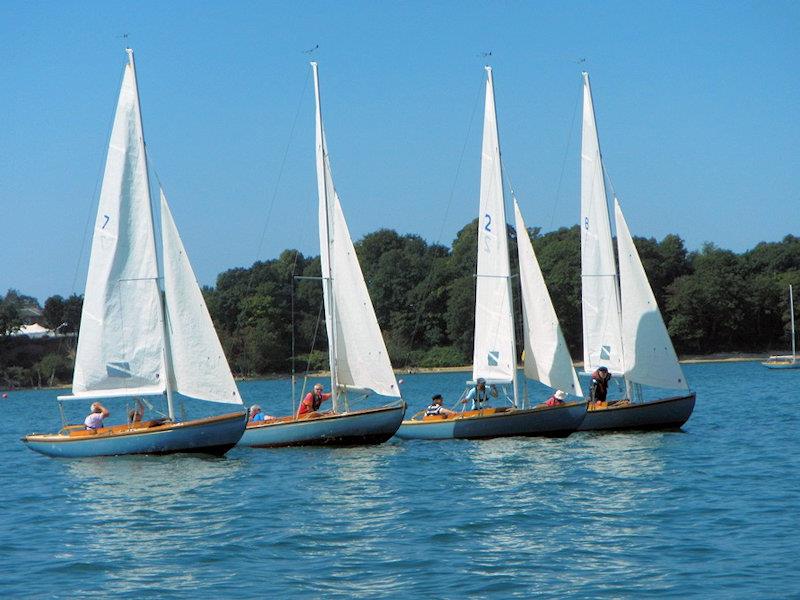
{"points": [[494, 354], [136, 339], [358, 358], [785, 361], [623, 329]]}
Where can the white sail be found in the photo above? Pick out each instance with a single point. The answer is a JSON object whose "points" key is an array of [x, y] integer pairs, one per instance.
{"points": [[359, 359], [602, 337], [199, 367], [120, 347], [547, 357], [494, 351], [649, 356]]}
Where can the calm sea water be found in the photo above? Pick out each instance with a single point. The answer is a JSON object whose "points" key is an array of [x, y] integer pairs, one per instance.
{"points": [[713, 511]]}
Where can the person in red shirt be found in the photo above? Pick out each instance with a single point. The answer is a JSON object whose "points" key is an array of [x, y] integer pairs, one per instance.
{"points": [[313, 400]]}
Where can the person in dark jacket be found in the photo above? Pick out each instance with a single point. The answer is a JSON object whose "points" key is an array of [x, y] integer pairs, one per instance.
{"points": [[600, 380]]}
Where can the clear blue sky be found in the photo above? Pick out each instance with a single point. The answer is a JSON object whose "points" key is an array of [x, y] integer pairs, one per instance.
{"points": [[696, 105]]}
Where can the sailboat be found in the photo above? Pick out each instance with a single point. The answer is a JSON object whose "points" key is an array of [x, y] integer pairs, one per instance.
{"points": [[494, 354], [623, 329], [359, 362], [785, 361], [137, 339]]}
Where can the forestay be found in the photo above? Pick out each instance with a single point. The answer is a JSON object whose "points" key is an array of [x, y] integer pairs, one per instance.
{"points": [[547, 357], [494, 354], [199, 367], [120, 347], [649, 357], [359, 358], [602, 338]]}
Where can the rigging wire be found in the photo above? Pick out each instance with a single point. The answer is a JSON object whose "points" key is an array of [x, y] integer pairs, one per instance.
{"points": [[283, 164], [451, 195], [564, 161], [94, 198]]}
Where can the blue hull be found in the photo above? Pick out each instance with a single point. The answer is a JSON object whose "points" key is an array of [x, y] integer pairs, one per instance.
{"points": [[213, 435], [365, 427], [549, 421], [669, 413]]}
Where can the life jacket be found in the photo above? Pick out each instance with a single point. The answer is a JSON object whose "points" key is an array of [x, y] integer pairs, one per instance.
{"points": [[433, 409]]}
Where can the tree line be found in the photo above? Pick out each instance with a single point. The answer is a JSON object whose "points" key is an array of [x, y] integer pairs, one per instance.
{"points": [[270, 321]]}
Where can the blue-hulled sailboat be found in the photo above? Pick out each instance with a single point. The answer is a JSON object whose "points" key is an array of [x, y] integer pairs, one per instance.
{"points": [[623, 329], [494, 359], [359, 362], [136, 338]]}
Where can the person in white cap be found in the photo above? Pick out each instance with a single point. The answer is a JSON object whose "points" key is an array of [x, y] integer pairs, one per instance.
{"points": [[557, 398]]}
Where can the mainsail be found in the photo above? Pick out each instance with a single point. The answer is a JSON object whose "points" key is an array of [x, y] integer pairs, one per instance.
{"points": [[120, 348], [547, 357], [602, 337], [358, 355], [649, 355], [494, 356], [199, 367]]}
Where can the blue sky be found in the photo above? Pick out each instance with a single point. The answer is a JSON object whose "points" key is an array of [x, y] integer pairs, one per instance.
{"points": [[696, 105]]}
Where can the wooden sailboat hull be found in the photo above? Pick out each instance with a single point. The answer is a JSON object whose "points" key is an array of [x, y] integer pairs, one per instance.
{"points": [[549, 421], [358, 428], [668, 413], [212, 435], [782, 365]]}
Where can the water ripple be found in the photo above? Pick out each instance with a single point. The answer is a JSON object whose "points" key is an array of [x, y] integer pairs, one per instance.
{"points": [[707, 512]]}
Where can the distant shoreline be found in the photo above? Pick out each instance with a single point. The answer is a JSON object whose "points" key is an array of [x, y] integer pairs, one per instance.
{"points": [[689, 360]]}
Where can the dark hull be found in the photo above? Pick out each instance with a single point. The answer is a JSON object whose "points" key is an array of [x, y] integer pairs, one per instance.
{"points": [[669, 413], [555, 421]]}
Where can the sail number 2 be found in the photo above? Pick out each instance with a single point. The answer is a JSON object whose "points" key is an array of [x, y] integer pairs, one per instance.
{"points": [[488, 225]]}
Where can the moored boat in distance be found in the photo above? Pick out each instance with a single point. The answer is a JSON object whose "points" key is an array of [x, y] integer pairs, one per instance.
{"points": [[137, 339], [623, 329], [494, 357], [785, 361], [359, 362]]}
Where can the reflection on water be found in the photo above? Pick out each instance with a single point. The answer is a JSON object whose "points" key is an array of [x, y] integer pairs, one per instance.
{"points": [[344, 529], [622, 515], [141, 512]]}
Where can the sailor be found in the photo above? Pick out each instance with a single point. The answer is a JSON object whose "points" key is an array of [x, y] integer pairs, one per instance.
{"points": [[136, 413], [479, 396], [436, 407], [556, 399], [95, 419], [600, 380], [313, 400]]}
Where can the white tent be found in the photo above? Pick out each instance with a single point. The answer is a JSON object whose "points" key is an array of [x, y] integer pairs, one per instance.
{"points": [[33, 331]]}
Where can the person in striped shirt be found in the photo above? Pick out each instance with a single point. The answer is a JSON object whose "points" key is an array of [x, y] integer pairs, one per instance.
{"points": [[436, 407]]}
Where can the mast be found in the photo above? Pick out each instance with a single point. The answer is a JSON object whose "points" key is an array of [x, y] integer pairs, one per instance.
{"points": [[600, 311], [327, 277], [162, 311], [791, 312], [490, 81]]}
